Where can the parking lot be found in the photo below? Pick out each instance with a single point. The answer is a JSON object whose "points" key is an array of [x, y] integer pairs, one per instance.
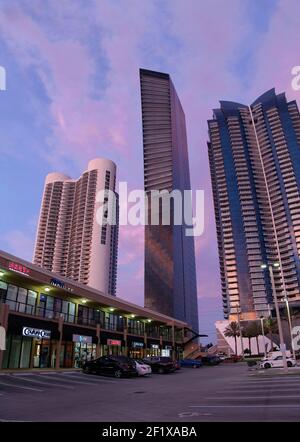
{"points": [[224, 392]]}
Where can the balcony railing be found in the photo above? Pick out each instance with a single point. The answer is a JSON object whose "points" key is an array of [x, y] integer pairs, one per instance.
{"points": [[32, 310]]}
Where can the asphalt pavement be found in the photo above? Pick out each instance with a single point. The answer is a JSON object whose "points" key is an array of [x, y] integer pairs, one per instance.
{"points": [[222, 393]]}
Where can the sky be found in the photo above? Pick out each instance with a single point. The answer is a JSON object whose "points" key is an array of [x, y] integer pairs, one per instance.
{"points": [[72, 94]]}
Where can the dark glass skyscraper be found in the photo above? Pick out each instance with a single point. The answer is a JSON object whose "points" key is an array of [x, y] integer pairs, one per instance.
{"points": [[170, 273], [254, 154]]}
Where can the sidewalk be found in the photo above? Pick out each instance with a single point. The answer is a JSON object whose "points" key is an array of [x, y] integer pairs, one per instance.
{"points": [[22, 371]]}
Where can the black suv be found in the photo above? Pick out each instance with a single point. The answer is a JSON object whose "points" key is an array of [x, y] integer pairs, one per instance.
{"points": [[116, 366], [160, 364]]}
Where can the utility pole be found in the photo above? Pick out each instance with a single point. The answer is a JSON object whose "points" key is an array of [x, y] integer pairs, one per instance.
{"points": [[240, 329], [282, 343]]}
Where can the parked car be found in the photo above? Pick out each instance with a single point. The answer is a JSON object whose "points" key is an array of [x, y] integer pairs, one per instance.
{"points": [[194, 363], [160, 364], [116, 366], [210, 360], [142, 368], [277, 362]]}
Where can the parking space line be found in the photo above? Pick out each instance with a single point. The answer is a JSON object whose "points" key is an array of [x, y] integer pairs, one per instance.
{"points": [[237, 398], [68, 380], [46, 383], [19, 386], [96, 380], [244, 406]]}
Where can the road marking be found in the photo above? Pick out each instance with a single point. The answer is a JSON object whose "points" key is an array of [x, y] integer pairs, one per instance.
{"points": [[244, 406], [68, 380], [269, 381], [19, 386], [93, 379], [269, 387], [269, 396], [46, 383], [193, 414]]}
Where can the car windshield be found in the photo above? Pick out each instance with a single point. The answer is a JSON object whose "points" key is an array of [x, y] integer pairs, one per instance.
{"points": [[140, 361]]}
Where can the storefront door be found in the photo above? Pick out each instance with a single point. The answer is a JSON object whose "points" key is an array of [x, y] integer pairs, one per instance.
{"points": [[83, 352], [41, 353]]}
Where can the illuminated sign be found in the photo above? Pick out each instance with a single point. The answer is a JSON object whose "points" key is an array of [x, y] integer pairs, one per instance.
{"points": [[19, 268], [155, 346], [138, 344], [36, 333], [57, 283], [82, 339], [114, 342]]}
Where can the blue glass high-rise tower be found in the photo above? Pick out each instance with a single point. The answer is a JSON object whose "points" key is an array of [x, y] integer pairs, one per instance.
{"points": [[254, 154]]}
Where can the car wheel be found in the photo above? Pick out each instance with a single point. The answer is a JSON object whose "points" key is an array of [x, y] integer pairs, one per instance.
{"points": [[118, 374], [289, 364], [161, 371], [267, 365], [87, 370]]}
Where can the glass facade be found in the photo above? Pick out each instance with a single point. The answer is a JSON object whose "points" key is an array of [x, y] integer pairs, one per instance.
{"points": [[32, 338], [254, 155], [170, 272]]}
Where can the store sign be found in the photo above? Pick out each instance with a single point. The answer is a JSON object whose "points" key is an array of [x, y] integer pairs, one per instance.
{"points": [[36, 333], [138, 344], [155, 346], [57, 283], [60, 284], [19, 268], [114, 342], [82, 339]]}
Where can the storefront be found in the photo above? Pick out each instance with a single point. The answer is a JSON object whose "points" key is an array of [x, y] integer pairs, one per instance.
{"points": [[153, 349], [83, 350], [136, 348], [44, 315]]}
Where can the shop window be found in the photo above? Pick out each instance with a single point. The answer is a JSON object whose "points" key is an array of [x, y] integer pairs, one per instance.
{"points": [[25, 353], [15, 351], [22, 297], [31, 302], [52, 308], [3, 290], [11, 296]]}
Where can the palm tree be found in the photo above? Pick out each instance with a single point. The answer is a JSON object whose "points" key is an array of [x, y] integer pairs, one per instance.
{"points": [[233, 331], [248, 332], [271, 328]]}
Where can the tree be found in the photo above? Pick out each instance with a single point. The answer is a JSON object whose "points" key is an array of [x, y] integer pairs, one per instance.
{"points": [[253, 330], [233, 331], [271, 328], [249, 332]]}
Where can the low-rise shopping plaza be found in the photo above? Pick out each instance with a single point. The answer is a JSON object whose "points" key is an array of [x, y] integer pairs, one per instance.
{"points": [[45, 315]]}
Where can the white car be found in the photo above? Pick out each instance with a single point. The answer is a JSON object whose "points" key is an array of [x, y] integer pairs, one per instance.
{"points": [[277, 362], [142, 368]]}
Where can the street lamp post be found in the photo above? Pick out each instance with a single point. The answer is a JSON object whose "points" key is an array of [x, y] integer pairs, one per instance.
{"points": [[263, 334], [282, 343], [285, 299], [240, 329]]}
